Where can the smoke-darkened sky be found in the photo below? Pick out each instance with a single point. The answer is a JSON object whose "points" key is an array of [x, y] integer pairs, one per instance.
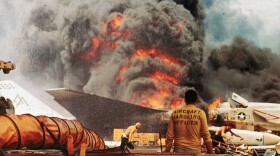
{"points": [[243, 45], [215, 46]]}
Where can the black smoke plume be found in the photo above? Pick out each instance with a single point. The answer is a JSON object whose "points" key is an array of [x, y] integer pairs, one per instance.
{"points": [[75, 45], [244, 68], [58, 44]]}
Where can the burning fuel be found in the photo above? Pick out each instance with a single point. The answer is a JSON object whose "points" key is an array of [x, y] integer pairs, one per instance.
{"points": [[215, 104], [131, 51], [143, 52]]}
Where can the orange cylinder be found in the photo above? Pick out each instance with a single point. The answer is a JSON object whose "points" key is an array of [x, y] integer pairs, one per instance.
{"points": [[18, 131]]}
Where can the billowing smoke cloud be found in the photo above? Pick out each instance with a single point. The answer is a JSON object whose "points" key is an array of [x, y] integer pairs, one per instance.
{"points": [[238, 64], [143, 52], [244, 68], [197, 10]]}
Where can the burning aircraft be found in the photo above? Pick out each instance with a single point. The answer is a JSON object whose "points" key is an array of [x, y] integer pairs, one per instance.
{"points": [[247, 115], [103, 115]]}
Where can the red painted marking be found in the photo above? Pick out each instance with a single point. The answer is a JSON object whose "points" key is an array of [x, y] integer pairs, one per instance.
{"points": [[275, 117]]}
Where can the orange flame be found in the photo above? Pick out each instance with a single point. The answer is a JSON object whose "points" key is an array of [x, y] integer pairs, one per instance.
{"points": [[115, 25], [177, 102], [120, 75], [164, 77], [111, 33], [144, 53], [103, 26], [179, 27], [155, 100], [112, 44], [92, 53], [160, 98], [117, 21], [215, 104]]}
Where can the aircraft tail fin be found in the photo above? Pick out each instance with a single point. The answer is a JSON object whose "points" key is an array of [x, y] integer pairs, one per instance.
{"points": [[25, 103], [238, 101]]}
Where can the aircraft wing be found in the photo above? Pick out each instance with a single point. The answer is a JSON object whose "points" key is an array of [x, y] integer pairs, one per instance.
{"points": [[271, 115], [103, 115]]}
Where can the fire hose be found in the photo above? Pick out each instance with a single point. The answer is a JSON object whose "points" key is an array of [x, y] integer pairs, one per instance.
{"points": [[42, 132]]}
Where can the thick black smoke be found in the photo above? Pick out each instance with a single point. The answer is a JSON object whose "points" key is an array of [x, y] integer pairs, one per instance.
{"points": [[59, 42], [244, 68], [197, 10]]}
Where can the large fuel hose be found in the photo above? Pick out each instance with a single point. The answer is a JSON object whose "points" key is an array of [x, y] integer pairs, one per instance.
{"points": [[42, 132]]}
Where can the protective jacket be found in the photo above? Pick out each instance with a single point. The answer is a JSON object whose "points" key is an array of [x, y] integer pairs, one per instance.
{"points": [[186, 127]]}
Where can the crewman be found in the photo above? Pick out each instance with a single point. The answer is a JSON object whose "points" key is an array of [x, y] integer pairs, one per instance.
{"points": [[9, 104], [220, 136], [187, 126], [127, 136], [3, 105], [6, 106]]}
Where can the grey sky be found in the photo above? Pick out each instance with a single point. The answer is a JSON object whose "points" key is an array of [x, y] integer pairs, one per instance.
{"points": [[256, 20]]}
